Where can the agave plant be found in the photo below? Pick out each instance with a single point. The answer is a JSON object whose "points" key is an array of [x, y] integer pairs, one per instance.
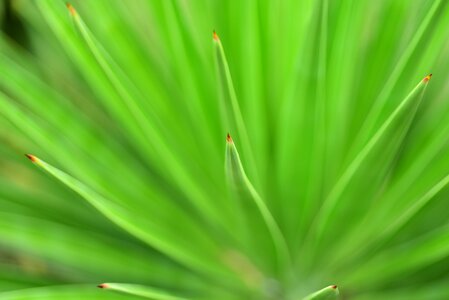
{"points": [[224, 149]]}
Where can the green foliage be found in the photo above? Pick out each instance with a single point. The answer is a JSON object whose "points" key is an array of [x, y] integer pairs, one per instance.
{"points": [[139, 290], [328, 293], [336, 172]]}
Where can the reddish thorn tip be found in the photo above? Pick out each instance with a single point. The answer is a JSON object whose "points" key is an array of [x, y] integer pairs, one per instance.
{"points": [[103, 286], [334, 287], [427, 78], [215, 36], [71, 8], [31, 157], [228, 138]]}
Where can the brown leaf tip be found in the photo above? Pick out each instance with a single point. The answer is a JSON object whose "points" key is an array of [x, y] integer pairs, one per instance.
{"points": [[229, 138], [333, 287], [71, 8], [215, 36], [31, 157], [103, 286], [427, 78]]}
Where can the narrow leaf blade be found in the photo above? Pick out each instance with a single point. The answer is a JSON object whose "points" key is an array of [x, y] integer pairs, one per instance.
{"points": [[241, 184], [328, 293], [140, 290]]}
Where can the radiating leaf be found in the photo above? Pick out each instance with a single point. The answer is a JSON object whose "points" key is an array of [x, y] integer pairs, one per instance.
{"points": [[123, 217], [328, 293], [140, 290], [241, 184]]}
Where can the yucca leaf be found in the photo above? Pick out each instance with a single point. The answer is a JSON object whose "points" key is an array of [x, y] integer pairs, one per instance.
{"points": [[328, 293], [433, 291], [386, 92], [301, 117], [122, 216], [384, 143], [33, 237], [233, 117], [245, 63], [152, 136], [316, 167], [151, 225], [240, 183], [414, 208], [182, 62], [408, 257], [69, 292], [140, 290]]}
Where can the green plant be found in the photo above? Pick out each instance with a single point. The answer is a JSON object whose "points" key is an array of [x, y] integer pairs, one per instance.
{"points": [[336, 171]]}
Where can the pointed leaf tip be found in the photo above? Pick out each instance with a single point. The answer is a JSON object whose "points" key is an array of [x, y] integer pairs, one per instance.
{"points": [[71, 8], [215, 36], [141, 291], [427, 78], [229, 138], [31, 157], [328, 293]]}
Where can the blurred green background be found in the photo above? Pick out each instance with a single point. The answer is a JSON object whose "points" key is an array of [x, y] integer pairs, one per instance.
{"points": [[134, 99]]}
